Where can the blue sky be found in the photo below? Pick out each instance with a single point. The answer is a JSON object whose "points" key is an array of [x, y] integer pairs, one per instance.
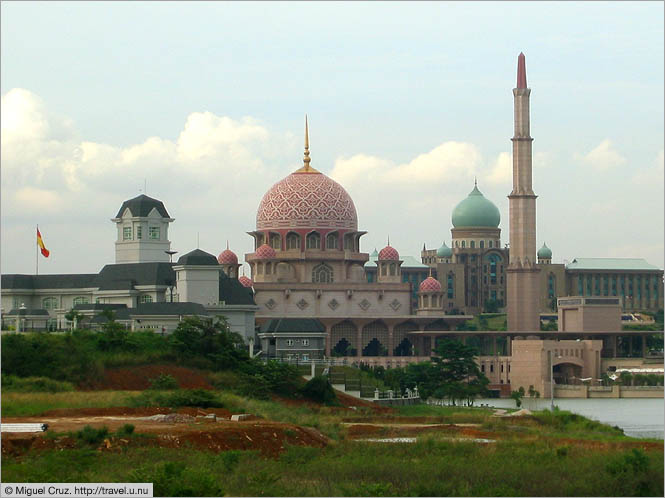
{"points": [[205, 101]]}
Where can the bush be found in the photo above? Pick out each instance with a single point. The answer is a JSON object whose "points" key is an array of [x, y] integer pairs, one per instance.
{"points": [[182, 397], [125, 430], [11, 383], [163, 382], [92, 436], [319, 389]]}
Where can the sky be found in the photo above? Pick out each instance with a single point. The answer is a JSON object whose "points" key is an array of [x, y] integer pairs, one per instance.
{"points": [[202, 106]]}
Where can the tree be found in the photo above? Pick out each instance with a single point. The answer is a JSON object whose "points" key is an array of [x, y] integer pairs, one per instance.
{"points": [[517, 396], [454, 373], [75, 317]]}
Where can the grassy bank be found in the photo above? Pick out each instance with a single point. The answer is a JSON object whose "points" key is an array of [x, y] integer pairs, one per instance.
{"points": [[29, 404], [430, 467]]}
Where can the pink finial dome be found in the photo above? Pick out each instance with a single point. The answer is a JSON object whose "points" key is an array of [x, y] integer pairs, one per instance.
{"points": [[430, 284], [227, 257], [388, 253], [245, 281], [265, 252]]}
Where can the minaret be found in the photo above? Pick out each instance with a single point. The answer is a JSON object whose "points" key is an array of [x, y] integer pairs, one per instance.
{"points": [[523, 278]]}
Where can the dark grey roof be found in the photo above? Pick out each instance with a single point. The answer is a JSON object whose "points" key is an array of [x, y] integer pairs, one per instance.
{"points": [[168, 309], [120, 313], [286, 325], [231, 291], [197, 257], [142, 205], [127, 275], [27, 312], [99, 307], [67, 281]]}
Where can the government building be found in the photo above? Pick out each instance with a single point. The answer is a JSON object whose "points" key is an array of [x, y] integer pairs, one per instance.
{"points": [[314, 293]]}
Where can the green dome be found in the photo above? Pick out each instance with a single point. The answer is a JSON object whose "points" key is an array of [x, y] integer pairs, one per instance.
{"points": [[476, 211], [544, 252], [444, 251]]}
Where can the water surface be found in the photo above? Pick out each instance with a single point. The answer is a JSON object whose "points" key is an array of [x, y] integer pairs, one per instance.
{"points": [[640, 417]]}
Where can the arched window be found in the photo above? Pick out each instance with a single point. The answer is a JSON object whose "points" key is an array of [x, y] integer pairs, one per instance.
{"points": [[322, 274], [482, 244], [551, 286], [259, 240], [332, 240], [275, 241], [473, 244], [383, 269], [81, 300], [393, 268], [145, 298], [457, 243], [268, 268], [292, 241], [491, 244], [49, 303], [463, 243], [451, 288], [348, 242], [313, 240]]}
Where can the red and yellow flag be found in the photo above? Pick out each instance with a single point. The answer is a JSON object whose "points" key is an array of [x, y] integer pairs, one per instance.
{"points": [[42, 247]]}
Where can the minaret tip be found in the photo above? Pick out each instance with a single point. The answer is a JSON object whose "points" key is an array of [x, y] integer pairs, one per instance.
{"points": [[521, 71], [306, 159]]}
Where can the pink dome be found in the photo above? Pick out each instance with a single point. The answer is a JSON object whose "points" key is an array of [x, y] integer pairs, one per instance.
{"points": [[430, 284], [227, 257], [265, 252], [389, 253], [245, 281], [306, 199]]}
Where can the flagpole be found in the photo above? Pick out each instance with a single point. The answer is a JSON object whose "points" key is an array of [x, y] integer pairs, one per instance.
{"points": [[37, 255]]}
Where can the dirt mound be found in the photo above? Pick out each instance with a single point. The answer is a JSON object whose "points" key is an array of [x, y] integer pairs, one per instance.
{"points": [[268, 438], [138, 378]]}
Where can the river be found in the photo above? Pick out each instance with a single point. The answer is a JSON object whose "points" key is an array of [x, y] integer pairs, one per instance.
{"points": [[638, 417]]}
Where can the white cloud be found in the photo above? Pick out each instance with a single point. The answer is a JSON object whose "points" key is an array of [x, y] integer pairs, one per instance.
{"points": [[651, 176], [603, 156], [502, 170], [37, 200]]}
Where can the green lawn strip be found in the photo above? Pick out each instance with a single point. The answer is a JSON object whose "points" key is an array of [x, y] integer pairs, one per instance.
{"points": [[429, 467], [32, 404]]}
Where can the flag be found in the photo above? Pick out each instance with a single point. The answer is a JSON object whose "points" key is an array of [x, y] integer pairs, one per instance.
{"points": [[42, 247]]}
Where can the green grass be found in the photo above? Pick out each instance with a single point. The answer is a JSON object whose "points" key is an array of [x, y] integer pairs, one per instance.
{"points": [[28, 404], [430, 467], [12, 383]]}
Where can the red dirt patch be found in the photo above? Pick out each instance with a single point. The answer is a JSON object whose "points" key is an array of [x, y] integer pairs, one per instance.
{"points": [[138, 378]]}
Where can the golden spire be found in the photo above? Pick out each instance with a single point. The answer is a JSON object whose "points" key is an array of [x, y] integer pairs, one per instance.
{"points": [[306, 159]]}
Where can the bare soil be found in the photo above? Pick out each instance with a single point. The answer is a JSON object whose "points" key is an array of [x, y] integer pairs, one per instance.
{"points": [[137, 378]]}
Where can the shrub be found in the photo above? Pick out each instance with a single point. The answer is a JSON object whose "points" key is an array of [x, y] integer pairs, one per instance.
{"points": [[319, 389], [126, 430], [182, 397], [176, 479], [163, 382], [12, 383], [92, 436]]}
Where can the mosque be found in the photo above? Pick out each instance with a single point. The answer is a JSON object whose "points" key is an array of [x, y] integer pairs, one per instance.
{"points": [[313, 292]]}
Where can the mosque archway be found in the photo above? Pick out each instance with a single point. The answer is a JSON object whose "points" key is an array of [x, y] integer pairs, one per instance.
{"points": [[375, 339], [343, 339]]}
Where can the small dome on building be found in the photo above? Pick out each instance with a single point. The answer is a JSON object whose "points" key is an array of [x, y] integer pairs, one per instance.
{"points": [[374, 255], [388, 253], [245, 281], [265, 252], [544, 252], [444, 251], [476, 211], [197, 257], [227, 257], [430, 284]]}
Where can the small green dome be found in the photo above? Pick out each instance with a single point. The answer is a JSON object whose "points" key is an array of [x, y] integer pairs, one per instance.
{"points": [[444, 251], [476, 211], [544, 252], [374, 255]]}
